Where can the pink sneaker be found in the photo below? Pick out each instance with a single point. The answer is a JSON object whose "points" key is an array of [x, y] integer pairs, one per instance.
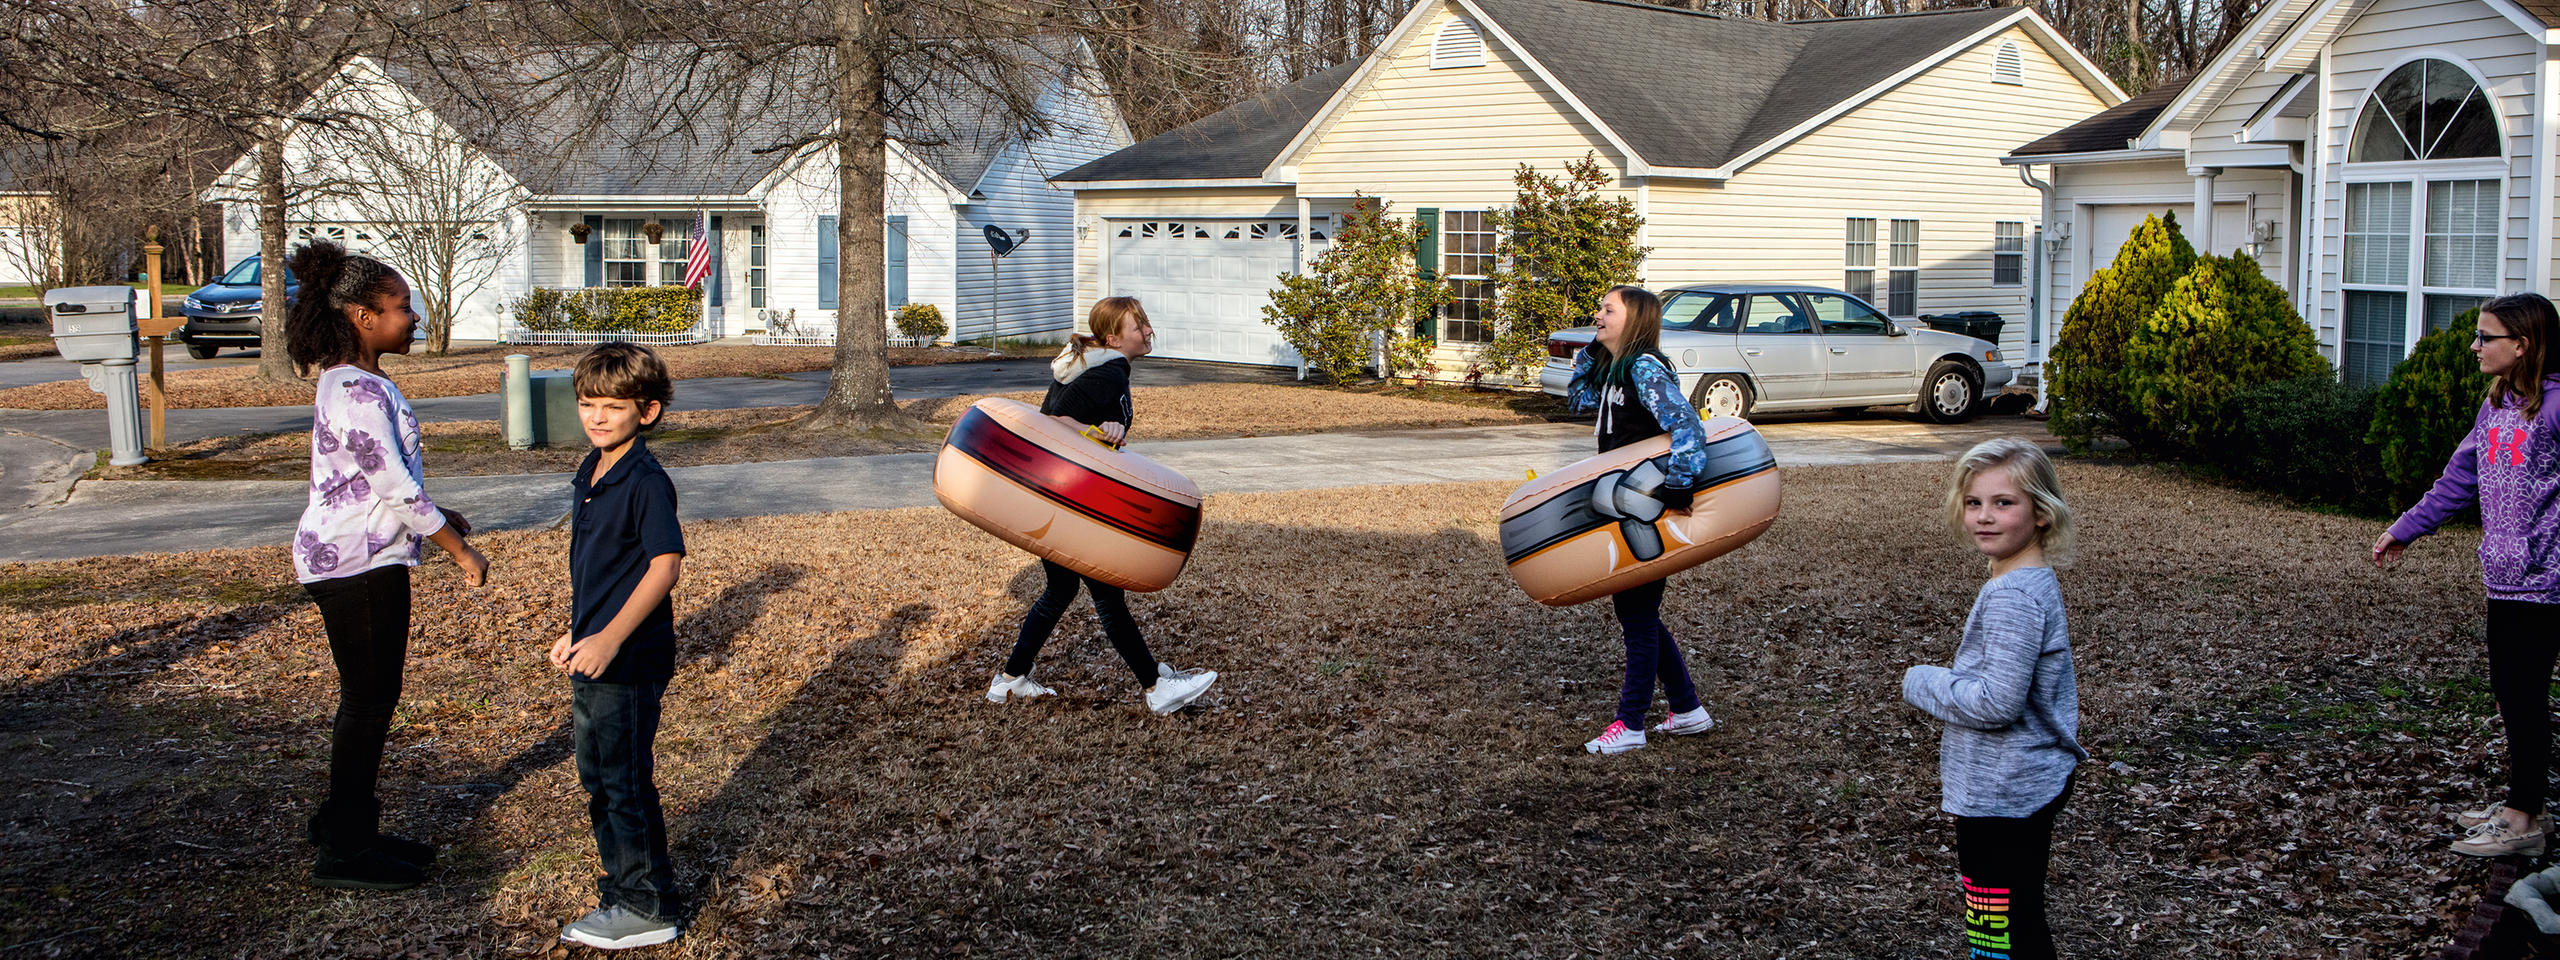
{"points": [[1619, 738]]}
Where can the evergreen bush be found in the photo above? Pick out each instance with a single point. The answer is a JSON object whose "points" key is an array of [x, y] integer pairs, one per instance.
{"points": [[1360, 290], [2222, 329], [2303, 439], [1562, 246], [609, 310], [2090, 397], [921, 320], [2426, 408]]}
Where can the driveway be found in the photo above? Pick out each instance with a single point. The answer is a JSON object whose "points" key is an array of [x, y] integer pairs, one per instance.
{"points": [[119, 517]]}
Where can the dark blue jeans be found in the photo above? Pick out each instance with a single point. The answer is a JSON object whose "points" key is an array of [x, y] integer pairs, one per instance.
{"points": [[1651, 655], [617, 733], [1108, 601]]}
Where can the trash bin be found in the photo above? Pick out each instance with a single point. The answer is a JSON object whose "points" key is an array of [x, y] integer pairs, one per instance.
{"points": [[94, 327], [1978, 324]]}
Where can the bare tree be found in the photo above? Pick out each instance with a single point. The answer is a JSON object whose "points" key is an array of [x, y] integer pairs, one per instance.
{"points": [[442, 210]]}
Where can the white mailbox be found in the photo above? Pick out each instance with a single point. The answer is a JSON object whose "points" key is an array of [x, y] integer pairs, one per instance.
{"points": [[92, 324]]}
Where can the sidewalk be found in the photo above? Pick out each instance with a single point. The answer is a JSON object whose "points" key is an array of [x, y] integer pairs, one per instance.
{"points": [[104, 518]]}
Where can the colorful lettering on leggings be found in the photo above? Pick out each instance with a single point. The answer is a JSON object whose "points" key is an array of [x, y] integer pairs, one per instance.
{"points": [[1986, 920]]}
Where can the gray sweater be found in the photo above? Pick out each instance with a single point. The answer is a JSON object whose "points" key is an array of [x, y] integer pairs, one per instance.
{"points": [[2010, 702]]}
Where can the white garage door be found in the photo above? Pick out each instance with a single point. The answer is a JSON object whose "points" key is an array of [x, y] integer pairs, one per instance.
{"points": [[2110, 224], [1205, 282]]}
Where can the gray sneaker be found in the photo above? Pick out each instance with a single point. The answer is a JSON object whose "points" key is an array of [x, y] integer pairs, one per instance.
{"points": [[616, 928]]}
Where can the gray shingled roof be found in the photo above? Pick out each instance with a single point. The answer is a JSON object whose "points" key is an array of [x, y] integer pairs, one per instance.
{"points": [[2109, 129], [1234, 143], [1683, 89], [627, 135]]}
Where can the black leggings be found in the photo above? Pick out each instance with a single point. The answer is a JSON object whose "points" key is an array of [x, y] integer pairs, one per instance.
{"points": [[2003, 860], [2523, 636], [1108, 601], [367, 617]]}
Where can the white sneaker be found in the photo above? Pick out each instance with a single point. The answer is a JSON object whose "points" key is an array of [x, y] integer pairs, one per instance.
{"points": [[1687, 724], [1619, 738], [1176, 689], [1007, 685]]}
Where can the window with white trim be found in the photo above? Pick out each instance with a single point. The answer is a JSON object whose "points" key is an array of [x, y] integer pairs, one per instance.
{"points": [[2425, 217], [2008, 65], [1458, 44], [1858, 273], [1466, 261], [1902, 292], [675, 243], [2009, 253], [626, 254], [755, 265]]}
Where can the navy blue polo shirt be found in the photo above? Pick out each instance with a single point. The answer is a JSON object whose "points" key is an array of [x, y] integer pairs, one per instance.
{"points": [[617, 524]]}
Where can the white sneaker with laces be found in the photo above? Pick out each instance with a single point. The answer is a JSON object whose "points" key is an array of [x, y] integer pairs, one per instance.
{"points": [[1619, 738], [1176, 689], [1687, 724], [1006, 685]]}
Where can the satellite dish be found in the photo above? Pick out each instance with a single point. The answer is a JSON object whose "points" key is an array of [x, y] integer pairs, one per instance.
{"points": [[1003, 242]]}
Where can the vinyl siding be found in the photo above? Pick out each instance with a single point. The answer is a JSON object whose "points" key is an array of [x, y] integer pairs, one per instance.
{"points": [[1450, 138], [1039, 277], [2390, 32], [808, 191], [1926, 150]]}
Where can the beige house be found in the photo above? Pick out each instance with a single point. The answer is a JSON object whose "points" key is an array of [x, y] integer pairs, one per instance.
{"points": [[1862, 154], [2389, 162], [30, 250]]}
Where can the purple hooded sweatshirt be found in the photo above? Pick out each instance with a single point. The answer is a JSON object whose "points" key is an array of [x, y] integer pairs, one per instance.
{"points": [[2511, 466]]}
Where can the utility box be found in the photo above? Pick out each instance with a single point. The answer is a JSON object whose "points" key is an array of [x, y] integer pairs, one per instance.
{"points": [[92, 324], [554, 418]]}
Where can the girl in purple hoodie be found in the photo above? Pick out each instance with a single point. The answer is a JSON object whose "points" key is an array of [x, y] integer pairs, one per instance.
{"points": [[2510, 466]]}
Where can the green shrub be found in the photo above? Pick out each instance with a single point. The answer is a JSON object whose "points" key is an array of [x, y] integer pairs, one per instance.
{"points": [[609, 310], [2427, 407], [1563, 246], [1359, 290], [921, 320], [2222, 329], [2090, 398], [2303, 439]]}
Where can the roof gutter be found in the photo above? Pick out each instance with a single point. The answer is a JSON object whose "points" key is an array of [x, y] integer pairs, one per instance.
{"points": [[2093, 156]]}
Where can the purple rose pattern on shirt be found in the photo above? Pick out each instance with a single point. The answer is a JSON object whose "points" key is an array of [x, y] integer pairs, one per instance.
{"points": [[323, 442], [367, 450], [361, 500], [317, 556], [342, 489]]}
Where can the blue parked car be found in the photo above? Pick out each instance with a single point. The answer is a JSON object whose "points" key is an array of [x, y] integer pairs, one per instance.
{"points": [[226, 312]]}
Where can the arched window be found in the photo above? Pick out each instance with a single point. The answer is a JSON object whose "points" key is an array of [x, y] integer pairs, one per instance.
{"points": [[2425, 110], [1457, 45]]}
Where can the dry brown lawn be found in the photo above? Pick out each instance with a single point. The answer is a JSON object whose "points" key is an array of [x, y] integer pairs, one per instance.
{"points": [[1389, 765], [462, 371], [748, 435]]}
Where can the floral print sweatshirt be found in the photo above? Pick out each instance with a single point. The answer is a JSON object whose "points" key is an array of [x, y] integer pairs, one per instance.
{"points": [[368, 505]]}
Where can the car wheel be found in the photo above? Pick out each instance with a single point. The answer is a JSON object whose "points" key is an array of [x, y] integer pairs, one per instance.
{"points": [[1951, 393], [202, 351], [1722, 395]]}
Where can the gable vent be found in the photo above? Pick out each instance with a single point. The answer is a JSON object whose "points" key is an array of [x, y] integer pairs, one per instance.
{"points": [[2007, 66], [1458, 45]]}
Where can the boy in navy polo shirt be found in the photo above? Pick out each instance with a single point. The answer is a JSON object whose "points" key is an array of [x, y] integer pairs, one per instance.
{"points": [[625, 554]]}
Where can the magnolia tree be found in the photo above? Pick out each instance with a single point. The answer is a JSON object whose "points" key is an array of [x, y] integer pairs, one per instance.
{"points": [[1360, 294], [1562, 246]]}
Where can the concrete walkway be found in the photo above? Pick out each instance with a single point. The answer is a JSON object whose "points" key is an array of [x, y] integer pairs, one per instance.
{"points": [[103, 518]]}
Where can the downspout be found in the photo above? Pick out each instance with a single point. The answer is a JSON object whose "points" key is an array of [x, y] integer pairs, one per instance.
{"points": [[2036, 258], [2538, 240], [1306, 236]]}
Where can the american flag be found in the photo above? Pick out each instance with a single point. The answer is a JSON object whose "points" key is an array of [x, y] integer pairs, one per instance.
{"points": [[697, 256]]}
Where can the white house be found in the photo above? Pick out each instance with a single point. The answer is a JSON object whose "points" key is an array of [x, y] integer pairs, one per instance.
{"points": [[1861, 153], [583, 184], [2389, 162], [29, 253]]}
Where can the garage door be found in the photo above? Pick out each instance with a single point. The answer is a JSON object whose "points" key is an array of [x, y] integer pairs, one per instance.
{"points": [[1205, 282], [2111, 223]]}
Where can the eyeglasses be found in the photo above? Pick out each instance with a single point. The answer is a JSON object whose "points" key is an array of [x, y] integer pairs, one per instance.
{"points": [[2478, 337]]}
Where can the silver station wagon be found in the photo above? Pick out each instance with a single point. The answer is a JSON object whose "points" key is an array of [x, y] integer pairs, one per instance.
{"points": [[1742, 348]]}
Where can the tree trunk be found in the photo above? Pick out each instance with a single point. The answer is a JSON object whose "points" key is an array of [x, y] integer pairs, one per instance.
{"points": [[858, 392], [275, 362]]}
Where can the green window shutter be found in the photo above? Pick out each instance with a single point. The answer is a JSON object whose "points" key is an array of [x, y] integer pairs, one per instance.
{"points": [[1426, 262]]}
